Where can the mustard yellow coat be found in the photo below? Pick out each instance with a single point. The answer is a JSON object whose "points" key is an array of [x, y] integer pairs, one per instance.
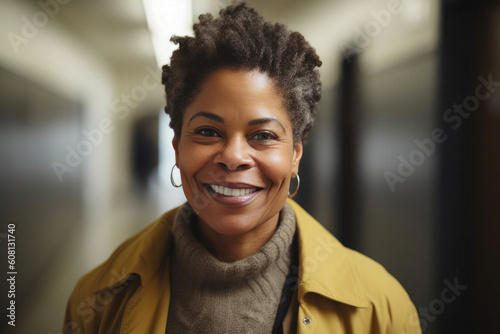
{"points": [[339, 290]]}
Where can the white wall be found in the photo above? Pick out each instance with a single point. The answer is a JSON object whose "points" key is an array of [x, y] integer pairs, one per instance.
{"points": [[51, 57]]}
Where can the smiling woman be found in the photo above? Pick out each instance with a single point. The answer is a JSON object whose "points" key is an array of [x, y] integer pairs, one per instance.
{"points": [[238, 256], [236, 155]]}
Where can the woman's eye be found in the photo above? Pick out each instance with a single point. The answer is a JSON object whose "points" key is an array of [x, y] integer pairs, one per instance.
{"points": [[207, 132], [264, 136]]}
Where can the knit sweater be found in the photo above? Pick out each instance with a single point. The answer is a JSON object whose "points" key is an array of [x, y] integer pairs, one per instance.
{"points": [[210, 296]]}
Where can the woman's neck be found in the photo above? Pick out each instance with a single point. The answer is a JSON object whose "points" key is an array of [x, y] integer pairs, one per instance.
{"points": [[233, 248]]}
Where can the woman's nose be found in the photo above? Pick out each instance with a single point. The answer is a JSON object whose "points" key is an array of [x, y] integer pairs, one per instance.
{"points": [[234, 155]]}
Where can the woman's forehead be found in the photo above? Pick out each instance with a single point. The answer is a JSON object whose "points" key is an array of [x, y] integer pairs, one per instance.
{"points": [[242, 92]]}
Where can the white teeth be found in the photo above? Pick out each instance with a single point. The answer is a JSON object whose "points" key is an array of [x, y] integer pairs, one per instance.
{"points": [[230, 191]]}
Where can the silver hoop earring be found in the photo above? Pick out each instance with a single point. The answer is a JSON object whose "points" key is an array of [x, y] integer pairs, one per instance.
{"points": [[296, 189], [172, 177]]}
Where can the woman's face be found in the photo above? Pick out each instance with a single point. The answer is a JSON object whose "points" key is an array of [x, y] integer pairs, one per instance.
{"points": [[236, 153]]}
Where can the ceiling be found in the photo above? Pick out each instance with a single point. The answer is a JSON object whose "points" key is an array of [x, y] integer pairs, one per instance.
{"points": [[117, 29], [118, 32]]}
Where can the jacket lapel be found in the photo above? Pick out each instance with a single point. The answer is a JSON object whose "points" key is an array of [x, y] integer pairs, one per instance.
{"points": [[325, 266], [147, 310], [146, 255]]}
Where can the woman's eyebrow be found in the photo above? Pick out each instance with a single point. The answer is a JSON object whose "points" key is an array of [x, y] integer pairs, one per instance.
{"points": [[208, 115], [219, 119], [267, 120]]}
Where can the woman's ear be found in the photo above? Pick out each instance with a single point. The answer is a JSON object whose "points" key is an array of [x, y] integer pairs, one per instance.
{"points": [[297, 155], [175, 144]]}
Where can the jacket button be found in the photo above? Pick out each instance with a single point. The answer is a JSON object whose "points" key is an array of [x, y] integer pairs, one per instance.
{"points": [[306, 321]]}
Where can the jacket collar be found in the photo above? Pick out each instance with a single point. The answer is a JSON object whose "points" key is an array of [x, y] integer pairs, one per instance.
{"points": [[325, 264]]}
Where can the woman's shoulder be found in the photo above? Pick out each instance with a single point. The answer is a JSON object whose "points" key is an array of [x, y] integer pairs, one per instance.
{"points": [[340, 278], [379, 284], [101, 293], [141, 254], [319, 246]]}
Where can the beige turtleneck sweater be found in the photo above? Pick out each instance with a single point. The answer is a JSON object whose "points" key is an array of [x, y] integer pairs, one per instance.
{"points": [[210, 296]]}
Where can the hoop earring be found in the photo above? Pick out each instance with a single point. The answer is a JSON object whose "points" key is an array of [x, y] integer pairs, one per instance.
{"points": [[172, 177], [296, 189]]}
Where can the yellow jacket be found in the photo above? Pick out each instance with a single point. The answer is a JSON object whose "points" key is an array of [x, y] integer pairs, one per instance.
{"points": [[339, 290]]}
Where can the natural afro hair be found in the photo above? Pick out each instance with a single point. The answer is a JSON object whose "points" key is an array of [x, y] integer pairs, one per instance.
{"points": [[241, 39]]}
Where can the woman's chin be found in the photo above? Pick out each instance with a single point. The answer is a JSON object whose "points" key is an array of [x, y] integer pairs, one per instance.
{"points": [[236, 226]]}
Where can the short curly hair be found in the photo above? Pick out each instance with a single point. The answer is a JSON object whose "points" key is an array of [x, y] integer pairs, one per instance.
{"points": [[241, 39]]}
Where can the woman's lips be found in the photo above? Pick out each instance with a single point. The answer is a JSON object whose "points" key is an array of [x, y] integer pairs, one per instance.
{"points": [[235, 195]]}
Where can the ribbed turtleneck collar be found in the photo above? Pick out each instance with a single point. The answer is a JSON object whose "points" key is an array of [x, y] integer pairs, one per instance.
{"points": [[202, 265]]}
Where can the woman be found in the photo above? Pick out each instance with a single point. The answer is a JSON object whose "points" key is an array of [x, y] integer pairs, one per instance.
{"points": [[239, 257]]}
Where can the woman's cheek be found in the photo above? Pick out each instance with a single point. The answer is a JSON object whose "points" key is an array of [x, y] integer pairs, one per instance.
{"points": [[279, 165]]}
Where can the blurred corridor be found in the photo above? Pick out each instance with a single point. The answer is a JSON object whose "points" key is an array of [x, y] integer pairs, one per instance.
{"points": [[402, 164]]}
